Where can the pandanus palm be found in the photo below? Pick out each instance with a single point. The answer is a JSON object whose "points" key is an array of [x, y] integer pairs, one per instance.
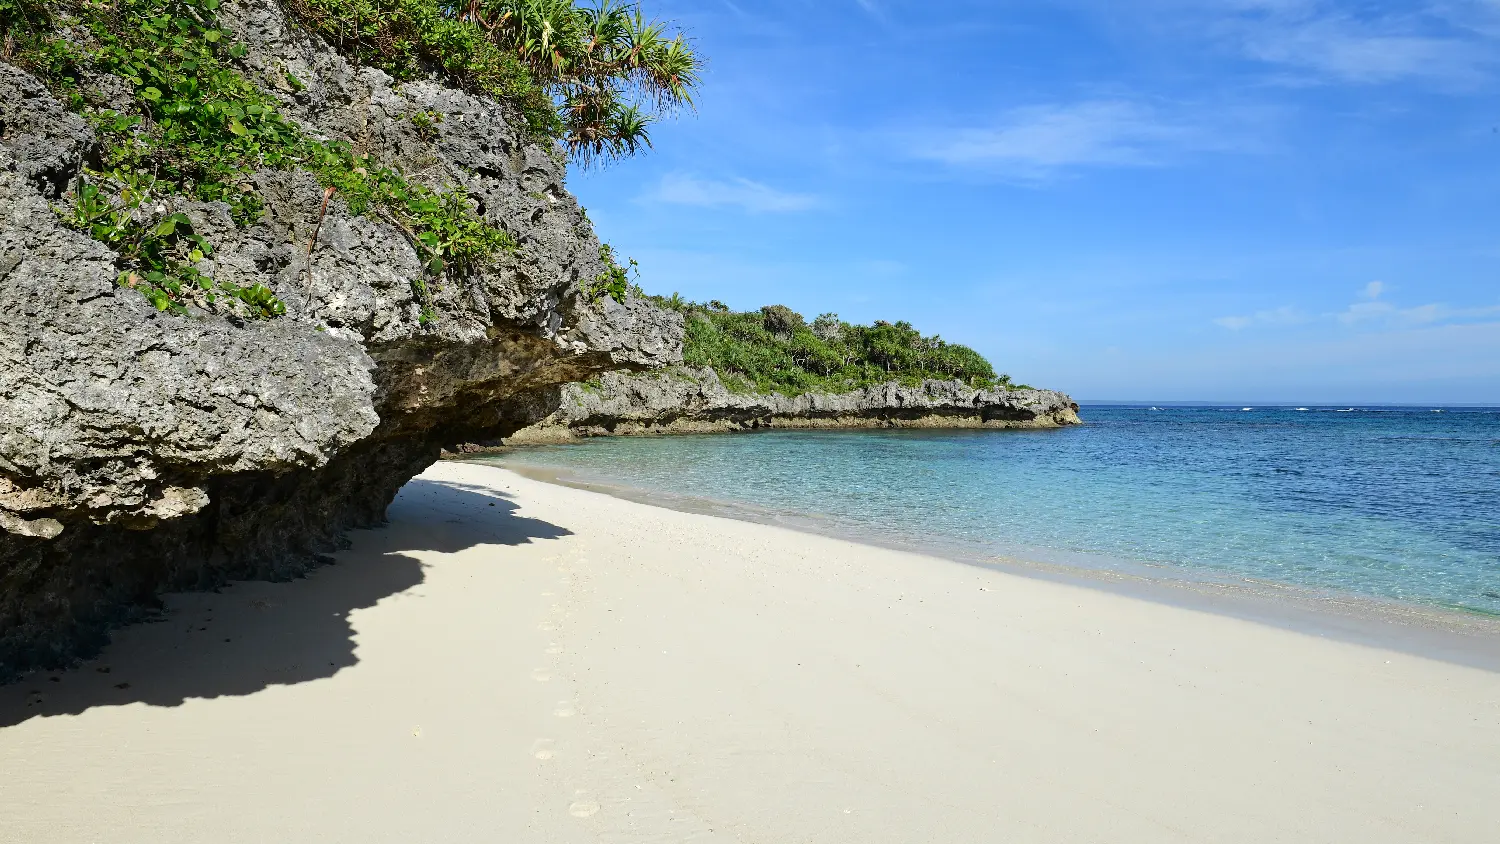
{"points": [[601, 63], [605, 25], [544, 34]]}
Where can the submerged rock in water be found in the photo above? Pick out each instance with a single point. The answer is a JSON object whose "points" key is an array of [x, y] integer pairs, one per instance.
{"points": [[142, 451], [687, 400]]}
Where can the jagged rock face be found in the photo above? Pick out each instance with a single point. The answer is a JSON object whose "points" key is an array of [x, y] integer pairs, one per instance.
{"points": [[142, 451], [686, 400]]}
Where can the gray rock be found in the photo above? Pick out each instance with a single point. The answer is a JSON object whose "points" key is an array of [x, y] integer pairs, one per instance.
{"points": [[687, 400], [46, 143], [141, 451]]}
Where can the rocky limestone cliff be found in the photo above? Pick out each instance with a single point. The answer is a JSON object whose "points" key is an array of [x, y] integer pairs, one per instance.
{"points": [[142, 451], [687, 400]]}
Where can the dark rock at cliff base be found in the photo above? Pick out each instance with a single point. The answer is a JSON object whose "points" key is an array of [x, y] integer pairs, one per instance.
{"points": [[687, 400], [141, 451]]}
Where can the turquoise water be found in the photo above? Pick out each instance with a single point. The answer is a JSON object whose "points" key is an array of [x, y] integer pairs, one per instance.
{"points": [[1397, 503]]}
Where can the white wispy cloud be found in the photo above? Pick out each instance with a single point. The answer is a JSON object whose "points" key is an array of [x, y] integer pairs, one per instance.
{"points": [[1369, 310], [1372, 309], [683, 189], [1431, 314], [1362, 52], [1445, 41], [1036, 142], [1285, 315]]}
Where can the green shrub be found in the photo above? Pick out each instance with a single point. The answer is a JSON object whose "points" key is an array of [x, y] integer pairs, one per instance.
{"points": [[775, 350], [28, 40], [615, 280]]}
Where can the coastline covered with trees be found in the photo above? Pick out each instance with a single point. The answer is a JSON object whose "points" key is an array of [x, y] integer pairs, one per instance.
{"points": [[776, 350]]}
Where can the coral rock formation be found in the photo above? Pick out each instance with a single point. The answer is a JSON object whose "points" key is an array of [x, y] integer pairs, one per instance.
{"points": [[142, 451], [686, 400]]}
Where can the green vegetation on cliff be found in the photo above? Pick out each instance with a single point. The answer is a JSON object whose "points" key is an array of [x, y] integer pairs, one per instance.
{"points": [[194, 126], [776, 350], [593, 75]]}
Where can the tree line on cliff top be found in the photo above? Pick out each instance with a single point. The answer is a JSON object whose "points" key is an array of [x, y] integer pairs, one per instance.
{"points": [[775, 349]]}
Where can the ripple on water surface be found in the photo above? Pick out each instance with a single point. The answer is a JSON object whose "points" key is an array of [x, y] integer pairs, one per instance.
{"points": [[1398, 503]]}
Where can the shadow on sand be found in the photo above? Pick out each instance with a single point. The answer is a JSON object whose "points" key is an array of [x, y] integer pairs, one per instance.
{"points": [[250, 635]]}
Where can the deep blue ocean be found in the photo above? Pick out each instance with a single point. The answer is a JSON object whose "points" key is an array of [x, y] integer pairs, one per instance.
{"points": [[1394, 502]]}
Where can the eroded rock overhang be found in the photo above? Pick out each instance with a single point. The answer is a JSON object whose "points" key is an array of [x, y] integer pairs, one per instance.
{"points": [[142, 451]]}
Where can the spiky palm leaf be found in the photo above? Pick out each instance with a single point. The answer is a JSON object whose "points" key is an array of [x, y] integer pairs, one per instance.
{"points": [[605, 25], [674, 72], [545, 34], [597, 61]]}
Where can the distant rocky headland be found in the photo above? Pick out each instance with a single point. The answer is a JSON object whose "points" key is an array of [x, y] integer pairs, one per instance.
{"points": [[772, 369], [684, 400]]}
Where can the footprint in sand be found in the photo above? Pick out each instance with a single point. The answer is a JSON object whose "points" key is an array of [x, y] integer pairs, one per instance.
{"points": [[542, 749], [564, 710], [584, 806], [553, 649], [547, 625], [541, 675]]}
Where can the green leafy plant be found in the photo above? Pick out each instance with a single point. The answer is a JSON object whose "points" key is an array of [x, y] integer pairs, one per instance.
{"points": [[28, 40], [198, 127], [262, 303], [615, 280], [427, 123], [440, 224], [32, 14], [156, 258]]}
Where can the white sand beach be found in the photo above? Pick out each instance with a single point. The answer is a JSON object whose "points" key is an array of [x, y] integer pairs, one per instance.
{"points": [[513, 661]]}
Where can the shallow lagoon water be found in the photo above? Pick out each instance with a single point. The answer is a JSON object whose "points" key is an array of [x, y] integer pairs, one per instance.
{"points": [[1394, 503]]}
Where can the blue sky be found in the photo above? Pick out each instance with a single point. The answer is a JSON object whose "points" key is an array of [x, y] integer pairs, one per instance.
{"points": [[1172, 200]]}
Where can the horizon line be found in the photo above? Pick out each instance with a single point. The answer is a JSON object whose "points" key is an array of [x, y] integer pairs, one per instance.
{"points": [[1247, 403]]}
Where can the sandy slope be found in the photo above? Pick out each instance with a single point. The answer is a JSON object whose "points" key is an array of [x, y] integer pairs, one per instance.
{"points": [[515, 662]]}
